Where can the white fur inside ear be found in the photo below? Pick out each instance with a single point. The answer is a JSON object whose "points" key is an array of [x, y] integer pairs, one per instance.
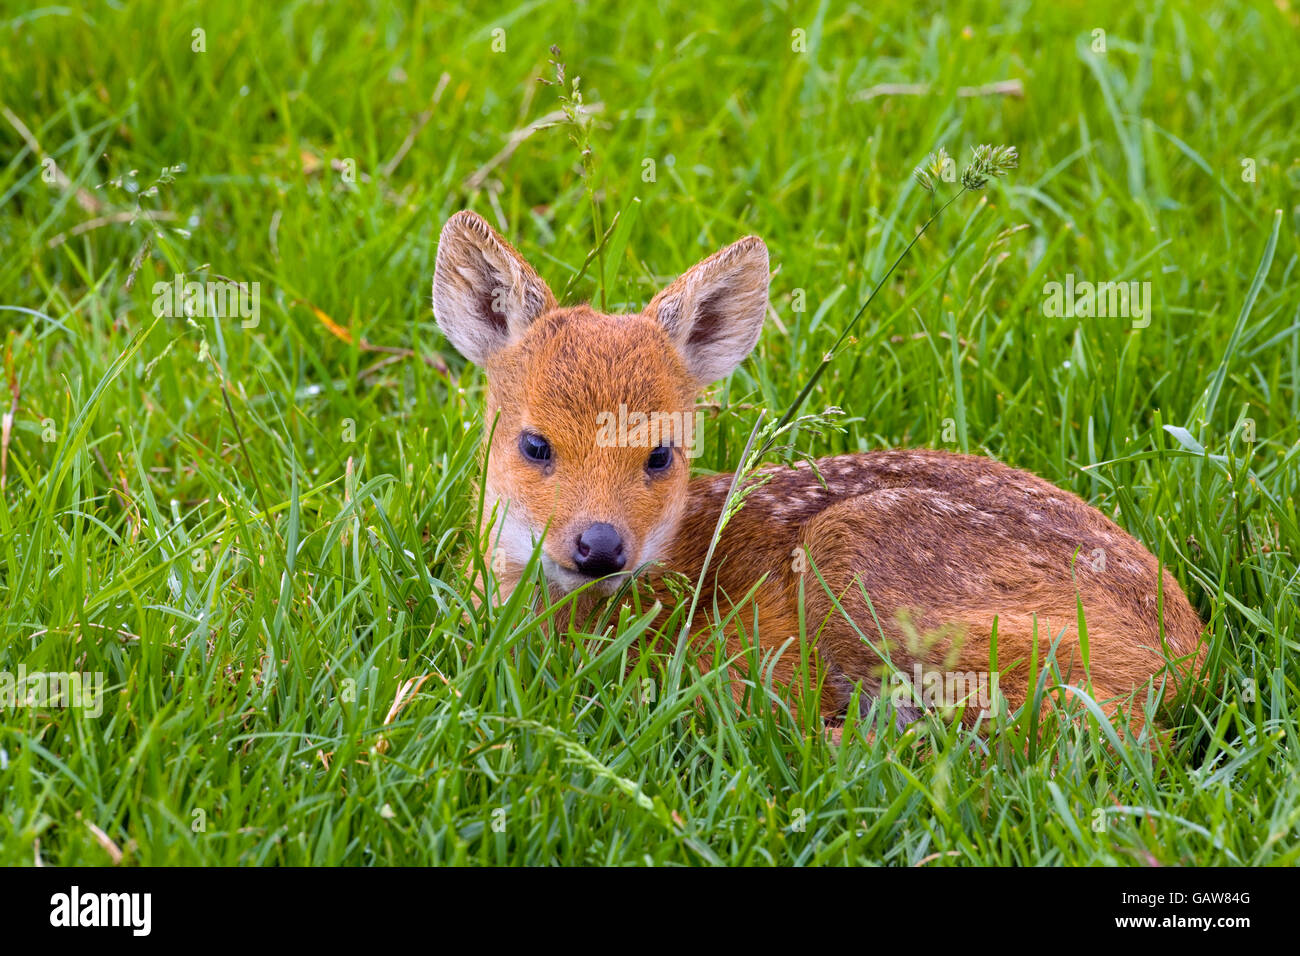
{"points": [[484, 293], [714, 313]]}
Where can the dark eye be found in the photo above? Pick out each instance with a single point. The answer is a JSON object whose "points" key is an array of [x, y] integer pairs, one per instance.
{"points": [[659, 459], [534, 447]]}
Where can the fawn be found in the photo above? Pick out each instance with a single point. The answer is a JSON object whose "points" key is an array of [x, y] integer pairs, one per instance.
{"points": [[958, 548]]}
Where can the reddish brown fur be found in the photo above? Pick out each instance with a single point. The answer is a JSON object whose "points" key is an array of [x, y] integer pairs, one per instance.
{"points": [[944, 545]]}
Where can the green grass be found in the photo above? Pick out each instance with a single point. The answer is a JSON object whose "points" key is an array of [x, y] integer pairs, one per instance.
{"points": [[256, 603]]}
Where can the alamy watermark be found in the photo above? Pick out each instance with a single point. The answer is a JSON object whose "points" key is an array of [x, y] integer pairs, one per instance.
{"points": [[1085, 299], [935, 690], [217, 299], [60, 689], [133, 911], [628, 429]]}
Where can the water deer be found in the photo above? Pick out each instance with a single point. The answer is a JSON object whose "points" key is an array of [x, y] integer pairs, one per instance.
{"points": [[922, 557]]}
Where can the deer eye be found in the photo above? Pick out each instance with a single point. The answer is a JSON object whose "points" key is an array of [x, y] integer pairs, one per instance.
{"points": [[659, 459], [534, 447]]}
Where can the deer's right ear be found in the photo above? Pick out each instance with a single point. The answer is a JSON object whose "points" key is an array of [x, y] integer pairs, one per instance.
{"points": [[484, 293]]}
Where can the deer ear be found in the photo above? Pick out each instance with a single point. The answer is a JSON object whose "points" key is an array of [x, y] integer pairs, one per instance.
{"points": [[714, 313], [484, 293]]}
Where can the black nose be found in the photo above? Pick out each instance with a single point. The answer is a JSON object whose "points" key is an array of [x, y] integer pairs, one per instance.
{"points": [[599, 551]]}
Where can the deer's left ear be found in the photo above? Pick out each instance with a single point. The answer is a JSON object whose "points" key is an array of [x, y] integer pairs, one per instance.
{"points": [[714, 313]]}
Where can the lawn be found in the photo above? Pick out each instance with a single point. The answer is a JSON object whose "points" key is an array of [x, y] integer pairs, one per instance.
{"points": [[257, 529]]}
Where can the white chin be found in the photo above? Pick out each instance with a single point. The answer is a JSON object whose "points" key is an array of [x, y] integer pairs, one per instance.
{"points": [[567, 580]]}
